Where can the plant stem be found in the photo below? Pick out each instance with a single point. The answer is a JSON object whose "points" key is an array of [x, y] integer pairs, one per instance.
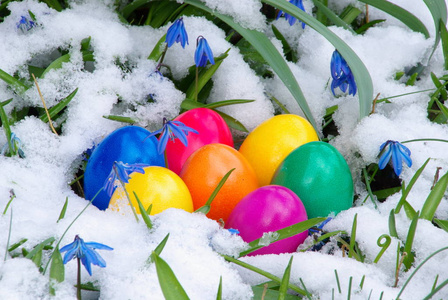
{"points": [[126, 192], [78, 287], [196, 85]]}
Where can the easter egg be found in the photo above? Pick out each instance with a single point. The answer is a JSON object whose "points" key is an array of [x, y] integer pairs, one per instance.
{"points": [[205, 168], [320, 176], [128, 145], [211, 128], [158, 186], [271, 141], [267, 209]]}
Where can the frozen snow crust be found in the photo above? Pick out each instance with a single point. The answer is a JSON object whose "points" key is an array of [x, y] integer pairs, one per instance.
{"points": [[41, 180]]}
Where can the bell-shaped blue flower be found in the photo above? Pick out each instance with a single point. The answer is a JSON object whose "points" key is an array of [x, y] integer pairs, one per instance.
{"points": [[85, 252], [121, 171], [177, 34], [203, 53], [25, 24], [172, 130], [16, 146], [398, 153], [341, 74], [292, 20]]}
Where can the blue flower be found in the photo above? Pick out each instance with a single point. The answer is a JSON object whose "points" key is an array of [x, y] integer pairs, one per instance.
{"points": [[398, 152], [16, 146], [177, 34], [233, 231], [292, 20], [121, 171], [25, 24], [203, 53], [342, 75], [86, 252], [318, 228], [172, 130]]}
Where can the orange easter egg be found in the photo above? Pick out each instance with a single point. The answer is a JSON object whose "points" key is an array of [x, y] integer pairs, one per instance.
{"points": [[205, 168]]}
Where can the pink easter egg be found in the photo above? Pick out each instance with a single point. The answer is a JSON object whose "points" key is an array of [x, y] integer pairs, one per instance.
{"points": [[211, 129], [269, 209]]}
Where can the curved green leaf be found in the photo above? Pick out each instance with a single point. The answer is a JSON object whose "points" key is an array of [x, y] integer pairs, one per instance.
{"points": [[432, 202], [439, 13], [268, 51], [362, 76], [401, 14], [332, 16], [56, 64]]}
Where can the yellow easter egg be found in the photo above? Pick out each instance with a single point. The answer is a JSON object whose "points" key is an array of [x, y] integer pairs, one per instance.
{"points": [[158, 186], [271, 141]]}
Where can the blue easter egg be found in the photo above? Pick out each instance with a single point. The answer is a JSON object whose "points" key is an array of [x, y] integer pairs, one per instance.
{"points": [[127, 144]]}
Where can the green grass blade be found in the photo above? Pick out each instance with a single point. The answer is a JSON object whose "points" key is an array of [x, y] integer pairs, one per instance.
{"points": [[158, 50], [284, 233], [58, 107], [409, 210], [122, 119], [57, 271], [392, 227], [64, 209], [17, 245], [362, 76], [444, 38], [332, 16], [192, 103], [13, 196], [432, 202], [159, 248], [350, 14], [268, 51], [436, 290], [442, 108], [219, 294], [442, 224], [5, 124], [409, 259], [263, 273], [409, 187], [17, 85], [143, 212], [171, 287], [128, 9], [365, 27], [401, 14], [207, 206], [353, 237], [439, 14], [39, 247], [56, 64], [290, 54], [285, 281]]}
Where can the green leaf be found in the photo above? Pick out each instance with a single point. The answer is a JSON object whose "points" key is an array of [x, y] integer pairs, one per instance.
{"points": [[268, 51], [401, 14], [17, 85], [171, 287], [353, 237], [349, 14], [392, 227], [57, 271], [54, 4], [442, 224], [64, 209], [362, 76], [5, 124], [206, 208], [128, 9], [143, 212], [158, 50], [442, 108], [205, 75], [283, 234], [332, 16], [285, 281], [39, 247], [439, 14], [121, 119], [17, 245], [409, 259], [53, 111], [270, 294], [444, 38], [409, 210], [409, 187], [366, 26], [290, 54], [432, 202], [219, 294], [56, 64]]}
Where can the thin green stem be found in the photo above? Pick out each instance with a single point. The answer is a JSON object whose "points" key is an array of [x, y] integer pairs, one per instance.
{"points": [[78, 288], [369, 189], [9, 236], [425, 140], [196, 85]]}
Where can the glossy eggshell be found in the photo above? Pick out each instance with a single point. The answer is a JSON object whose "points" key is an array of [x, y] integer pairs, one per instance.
{"points": [[320, 176], [211, 128], [269, 209], [128, 145], [205, 168], [158, 186], [271, 141]]}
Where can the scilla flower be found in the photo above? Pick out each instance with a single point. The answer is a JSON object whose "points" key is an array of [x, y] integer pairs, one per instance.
{"points": [[177, 34], [342, 75], [203, 53], [85, 252], [25, 24], [398, 153], [292, 20], [172, 130], [121, 171], [16, 146]]}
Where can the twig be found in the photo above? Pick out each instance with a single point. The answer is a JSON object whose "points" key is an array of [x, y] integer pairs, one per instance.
{"points": [[45, 106]]}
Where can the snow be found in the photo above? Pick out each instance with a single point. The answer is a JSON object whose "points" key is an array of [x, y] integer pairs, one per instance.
{"points": [[40, 181]]}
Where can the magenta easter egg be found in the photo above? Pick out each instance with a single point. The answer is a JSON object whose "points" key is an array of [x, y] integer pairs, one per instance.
{"points": [[269, 209], [211, 129]]}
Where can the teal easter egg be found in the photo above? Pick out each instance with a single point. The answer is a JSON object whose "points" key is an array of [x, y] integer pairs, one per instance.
{"points": [[320, 176]]}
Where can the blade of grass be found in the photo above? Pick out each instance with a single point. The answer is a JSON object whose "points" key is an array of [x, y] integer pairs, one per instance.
{"points": [[17, 85], [157, 52], [409, 259], [285, 281], [284, 233], [5, 124], [171, 287], [392, 227], [444, 38], [143, 212], [332, 16], [442, 224], [159, 248], [207, 206], [53, 111], [56, 64], [219, 294], [64, 209], [353, 237], [435, 197], [57, 271], [438, 11]]}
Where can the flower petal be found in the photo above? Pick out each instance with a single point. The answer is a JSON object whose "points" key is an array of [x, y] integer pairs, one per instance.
{"points": [[384, 159]]}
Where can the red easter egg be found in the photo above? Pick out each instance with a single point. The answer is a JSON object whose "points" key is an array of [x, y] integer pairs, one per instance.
{"points": [[211, 128], [268, 209]]}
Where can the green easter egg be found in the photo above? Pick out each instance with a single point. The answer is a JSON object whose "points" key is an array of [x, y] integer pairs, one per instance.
{"points": [[320, 176]]}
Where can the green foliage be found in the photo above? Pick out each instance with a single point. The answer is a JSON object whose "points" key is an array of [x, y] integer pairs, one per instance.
{"points": [[205, 209], [57, 271], [435, 197], [143, 212]]}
